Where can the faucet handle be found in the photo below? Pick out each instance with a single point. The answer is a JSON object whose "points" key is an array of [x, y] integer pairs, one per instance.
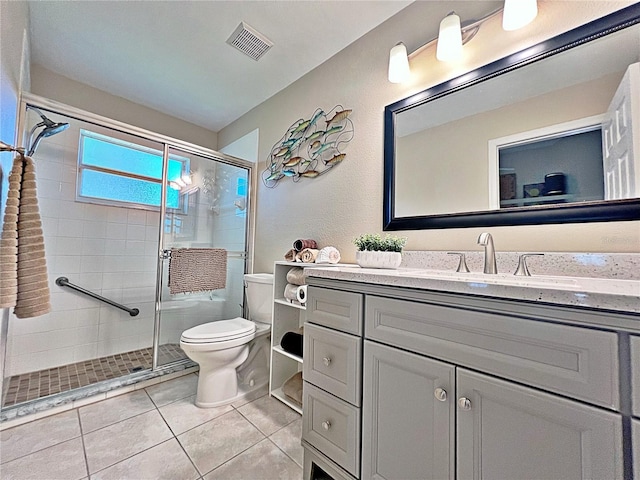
{"points": [[522, 269], [462, 264]]}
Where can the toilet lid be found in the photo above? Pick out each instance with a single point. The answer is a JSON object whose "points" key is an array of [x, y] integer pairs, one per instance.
{"points": [[219, 331]]}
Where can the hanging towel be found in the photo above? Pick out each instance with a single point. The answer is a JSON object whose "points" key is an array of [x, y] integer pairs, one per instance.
{"points": [[24, 283], [197, 269]]}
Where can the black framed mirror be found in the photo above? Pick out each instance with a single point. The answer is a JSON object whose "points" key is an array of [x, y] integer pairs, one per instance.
{"points": [[440, 171]]}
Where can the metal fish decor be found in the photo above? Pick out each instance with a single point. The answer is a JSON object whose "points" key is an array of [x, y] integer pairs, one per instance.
{"points": [[310, 147]]}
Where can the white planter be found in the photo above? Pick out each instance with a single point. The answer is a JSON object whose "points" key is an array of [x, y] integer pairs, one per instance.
{"points": [[368, 259]]}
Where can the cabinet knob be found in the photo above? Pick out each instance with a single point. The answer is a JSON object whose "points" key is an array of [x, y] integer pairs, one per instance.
{"points": [[326, 424], [464, 403], [326, 361], [440, 394]]}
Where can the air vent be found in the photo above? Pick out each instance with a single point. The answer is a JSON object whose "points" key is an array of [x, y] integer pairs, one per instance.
{"points": [[249, 41]]}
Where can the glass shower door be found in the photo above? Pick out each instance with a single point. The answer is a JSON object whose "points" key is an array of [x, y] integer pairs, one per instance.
{"points": [[206, 209]]}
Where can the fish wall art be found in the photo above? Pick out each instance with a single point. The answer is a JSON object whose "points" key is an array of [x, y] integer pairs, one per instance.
{"points": [[310, 147]]}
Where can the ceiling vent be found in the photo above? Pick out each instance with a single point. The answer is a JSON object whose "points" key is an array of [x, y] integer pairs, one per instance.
{"points": [[249, 41]]}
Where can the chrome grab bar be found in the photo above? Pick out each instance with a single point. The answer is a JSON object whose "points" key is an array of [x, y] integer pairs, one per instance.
{"points": [[64, 282]]}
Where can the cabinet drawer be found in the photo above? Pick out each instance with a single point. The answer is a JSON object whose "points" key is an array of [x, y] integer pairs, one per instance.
{"points": [[333, 427], [635, 379], [332, 362], [335, 309], [577, 362]]}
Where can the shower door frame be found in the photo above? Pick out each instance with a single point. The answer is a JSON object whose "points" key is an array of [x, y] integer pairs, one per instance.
{"points": [[28, 99]]}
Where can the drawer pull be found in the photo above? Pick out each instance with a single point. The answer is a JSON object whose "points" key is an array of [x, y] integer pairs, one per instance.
{"points": [[440, 394], [464, 403], [326, 361], [326, 424]]}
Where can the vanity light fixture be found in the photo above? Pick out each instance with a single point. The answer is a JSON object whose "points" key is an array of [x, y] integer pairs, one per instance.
{"points": [[453, 35], [399, 71], [449, 46]]}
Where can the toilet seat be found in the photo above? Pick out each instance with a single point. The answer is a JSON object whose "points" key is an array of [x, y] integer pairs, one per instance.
{"points": [[220, 331]]}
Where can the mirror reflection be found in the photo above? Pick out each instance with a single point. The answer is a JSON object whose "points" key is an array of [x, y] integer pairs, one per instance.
{"points": [[557, 131]]}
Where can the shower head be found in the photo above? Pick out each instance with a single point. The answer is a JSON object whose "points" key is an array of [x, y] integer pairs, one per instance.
{"points": [[50, 128]]}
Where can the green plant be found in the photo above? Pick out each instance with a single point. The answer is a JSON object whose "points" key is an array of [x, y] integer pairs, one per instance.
{"points": [[374, 242]]}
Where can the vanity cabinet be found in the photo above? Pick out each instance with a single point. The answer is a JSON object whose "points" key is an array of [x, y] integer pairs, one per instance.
{"points": [[465, 387]]}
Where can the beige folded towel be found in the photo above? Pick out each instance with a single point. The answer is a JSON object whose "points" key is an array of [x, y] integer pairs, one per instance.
{"points": [[24, 283], [197, 269], [292, 388], [290, 256], [308, 255]]}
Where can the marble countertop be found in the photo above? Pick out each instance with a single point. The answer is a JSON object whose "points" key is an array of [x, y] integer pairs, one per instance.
{"points": [[600, 293]]}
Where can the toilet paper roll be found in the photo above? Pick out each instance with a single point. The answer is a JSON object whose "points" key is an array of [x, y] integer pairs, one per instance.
{"points": [[296, 293], [301, 294]]}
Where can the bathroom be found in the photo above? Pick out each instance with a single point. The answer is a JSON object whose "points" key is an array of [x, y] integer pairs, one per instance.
{"points": [[282, 213]]}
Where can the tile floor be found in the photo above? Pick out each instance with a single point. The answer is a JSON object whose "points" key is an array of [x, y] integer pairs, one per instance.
{"points": [[158, 433]]}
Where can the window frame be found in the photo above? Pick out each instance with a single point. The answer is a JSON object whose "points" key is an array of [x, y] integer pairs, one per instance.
{"points": [[183, 200]]}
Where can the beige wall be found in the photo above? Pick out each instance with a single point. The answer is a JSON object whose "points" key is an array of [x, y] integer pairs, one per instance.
{"points": [[48, 84], [336, 207]]}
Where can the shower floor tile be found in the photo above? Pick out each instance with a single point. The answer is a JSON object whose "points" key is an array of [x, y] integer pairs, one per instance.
{"points": [[33, 385]]}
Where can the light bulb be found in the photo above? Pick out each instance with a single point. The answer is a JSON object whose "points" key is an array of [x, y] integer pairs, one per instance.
{"points": [[399, 64], [449, 39], [518, 13]]}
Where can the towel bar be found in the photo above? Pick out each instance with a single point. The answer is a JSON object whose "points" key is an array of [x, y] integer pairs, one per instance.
{"points": [[64, 282]]}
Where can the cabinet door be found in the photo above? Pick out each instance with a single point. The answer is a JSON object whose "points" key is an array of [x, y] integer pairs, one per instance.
{"points": [[406, 432], [509, 431], [635, 378], [635, 442]]}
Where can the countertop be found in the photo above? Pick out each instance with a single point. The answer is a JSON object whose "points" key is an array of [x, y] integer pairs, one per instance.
{"points": [[597, 293]]}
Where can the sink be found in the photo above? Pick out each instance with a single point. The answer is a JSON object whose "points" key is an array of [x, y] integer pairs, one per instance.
{"points": [[577, 284]]}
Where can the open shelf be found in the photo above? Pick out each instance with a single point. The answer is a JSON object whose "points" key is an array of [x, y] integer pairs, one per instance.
{"points": [[284, 301], [277, 393], [277, 348]]}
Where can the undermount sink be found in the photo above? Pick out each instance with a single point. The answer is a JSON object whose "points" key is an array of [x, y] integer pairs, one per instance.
{"points": [[577, 284]]}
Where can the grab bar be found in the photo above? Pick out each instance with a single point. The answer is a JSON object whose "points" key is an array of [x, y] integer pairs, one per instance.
{"points": [[64, 282]]}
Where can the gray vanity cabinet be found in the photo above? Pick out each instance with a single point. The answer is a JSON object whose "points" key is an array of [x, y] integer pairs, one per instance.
{"points": [[408, 428], [454, 387], [505, 430]]}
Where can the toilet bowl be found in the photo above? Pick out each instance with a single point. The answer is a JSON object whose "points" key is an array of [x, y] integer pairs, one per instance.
{"points": [[220, 348]]}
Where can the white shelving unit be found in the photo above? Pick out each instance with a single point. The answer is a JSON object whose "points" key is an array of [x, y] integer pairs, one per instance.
{"points": [[287, 317]]}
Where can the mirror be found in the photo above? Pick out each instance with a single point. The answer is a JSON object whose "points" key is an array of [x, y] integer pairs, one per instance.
{"points": [[529, 139]]}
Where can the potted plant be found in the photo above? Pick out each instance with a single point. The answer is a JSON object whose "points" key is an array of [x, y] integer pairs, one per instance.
{"points": [[377, 252]]}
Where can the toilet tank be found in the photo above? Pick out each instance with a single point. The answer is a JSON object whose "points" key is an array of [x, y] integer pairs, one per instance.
{"points": [[259, 291]]}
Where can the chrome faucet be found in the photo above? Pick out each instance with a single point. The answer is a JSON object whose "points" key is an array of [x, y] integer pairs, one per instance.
{"points": [[486, 241]]}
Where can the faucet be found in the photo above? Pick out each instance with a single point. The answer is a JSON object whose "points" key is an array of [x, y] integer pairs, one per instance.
{"points": [[486, 241]]}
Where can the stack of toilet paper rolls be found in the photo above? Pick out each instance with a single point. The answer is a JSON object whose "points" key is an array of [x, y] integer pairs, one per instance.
{"points": [[296, 290]]}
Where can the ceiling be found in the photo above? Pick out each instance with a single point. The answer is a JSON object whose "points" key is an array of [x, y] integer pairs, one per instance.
{"points": [[172, 56]]}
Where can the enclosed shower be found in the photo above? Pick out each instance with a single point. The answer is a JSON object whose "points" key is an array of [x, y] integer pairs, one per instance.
{"points": [[115, 200]]}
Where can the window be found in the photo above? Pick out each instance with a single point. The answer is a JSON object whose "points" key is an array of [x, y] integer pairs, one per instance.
{"points": [[112, 172]]}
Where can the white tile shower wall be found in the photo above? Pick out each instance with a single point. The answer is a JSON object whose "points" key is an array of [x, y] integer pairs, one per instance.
{"points": [[108, 250]]}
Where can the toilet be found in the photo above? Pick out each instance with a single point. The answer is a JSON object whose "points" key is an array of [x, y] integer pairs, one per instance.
{"points": [[221, 348]]}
